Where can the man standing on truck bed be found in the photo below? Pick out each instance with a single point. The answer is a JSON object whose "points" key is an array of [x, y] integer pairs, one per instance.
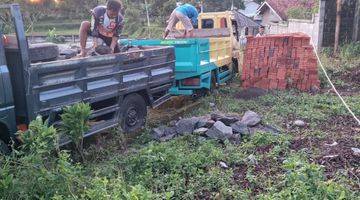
{"points": [[106, 24], [188, 15]]}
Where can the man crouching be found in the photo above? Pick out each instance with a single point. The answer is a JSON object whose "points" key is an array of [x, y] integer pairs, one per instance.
{"points": [[188, 15], [106, 23]]}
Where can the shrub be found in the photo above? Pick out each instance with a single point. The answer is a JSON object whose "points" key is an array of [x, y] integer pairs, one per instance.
{"points": [[350, 51], [33, 173], [75, 124], [39, 139]]}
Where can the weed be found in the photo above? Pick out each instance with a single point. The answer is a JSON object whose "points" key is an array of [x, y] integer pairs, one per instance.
{"points": [[53, 37], [305, 180]]}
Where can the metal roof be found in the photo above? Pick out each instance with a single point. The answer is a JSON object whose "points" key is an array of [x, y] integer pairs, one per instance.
{"points": [[244, 21]]}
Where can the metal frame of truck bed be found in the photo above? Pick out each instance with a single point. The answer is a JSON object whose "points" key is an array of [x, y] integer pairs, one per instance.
{"points": [[102, 81]]}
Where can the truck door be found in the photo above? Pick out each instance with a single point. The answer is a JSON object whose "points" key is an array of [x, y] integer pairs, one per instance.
{"points": [[7, 112]]}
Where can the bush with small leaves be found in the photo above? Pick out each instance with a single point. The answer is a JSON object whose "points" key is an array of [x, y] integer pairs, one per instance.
{"points": [[75, 124]]}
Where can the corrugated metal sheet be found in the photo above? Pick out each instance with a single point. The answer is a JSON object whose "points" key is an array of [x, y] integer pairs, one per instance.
{"points": [[244, 21]]}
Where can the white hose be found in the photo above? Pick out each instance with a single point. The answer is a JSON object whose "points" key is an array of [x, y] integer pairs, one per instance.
{"points": [[333, 86]]}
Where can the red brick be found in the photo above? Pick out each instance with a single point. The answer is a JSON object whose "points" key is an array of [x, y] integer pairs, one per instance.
{"points": [[282, 83], [305, 41], [281, 74], [273, 84]]}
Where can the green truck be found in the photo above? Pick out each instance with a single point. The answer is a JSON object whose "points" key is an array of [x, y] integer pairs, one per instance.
{"points": [[118, 87]]}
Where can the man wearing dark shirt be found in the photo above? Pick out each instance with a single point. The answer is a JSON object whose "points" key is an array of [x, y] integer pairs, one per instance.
{"points": [[106, 23]]}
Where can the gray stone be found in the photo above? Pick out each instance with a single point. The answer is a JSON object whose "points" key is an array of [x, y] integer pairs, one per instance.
{"points": [[204, 122], [186, 126], [314, 89], [299, 123], [356, 151], [212, 105], [235, 138], [200, 131], [240, 128], [223, 165], [270, 129], [159, 132], [68, 53], [251, 160], [251, 119], [332, 145], [331, 156], [220, 131], [226, 119], [172, 123], [216, 116], [210, 123], [202, 139], [164, 133]]}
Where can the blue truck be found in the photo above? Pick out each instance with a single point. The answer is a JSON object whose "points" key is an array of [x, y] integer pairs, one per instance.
{"points": [[201, 63], [211, 58]]}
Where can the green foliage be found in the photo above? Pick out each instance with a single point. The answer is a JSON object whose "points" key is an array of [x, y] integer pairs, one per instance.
{"points": [[39, 139], [299, 13], [328, 51], [350, 51], [34, 173], [75, 124], [305, 180], [168, 167], [53, 37]]}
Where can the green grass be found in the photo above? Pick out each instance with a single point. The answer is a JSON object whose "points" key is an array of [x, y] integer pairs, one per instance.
{"points": [[186, 168]]}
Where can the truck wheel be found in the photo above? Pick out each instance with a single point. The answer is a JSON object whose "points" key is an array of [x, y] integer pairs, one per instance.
{"points": [[133, 113], [4, 148], [235, 66]]}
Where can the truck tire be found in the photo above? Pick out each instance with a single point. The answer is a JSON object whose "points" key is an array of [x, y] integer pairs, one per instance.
{"points": [[133, 113], [43, 52], [4, 148]]}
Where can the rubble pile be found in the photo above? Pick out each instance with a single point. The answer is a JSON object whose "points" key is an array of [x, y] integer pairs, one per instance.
{"points": [[215, 126]]}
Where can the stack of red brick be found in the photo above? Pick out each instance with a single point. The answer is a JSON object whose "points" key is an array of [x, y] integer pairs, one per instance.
{"points": [[280, 62]]}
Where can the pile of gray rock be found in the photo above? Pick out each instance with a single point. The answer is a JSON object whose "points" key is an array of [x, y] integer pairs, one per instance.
{"points": [[217, 126]]}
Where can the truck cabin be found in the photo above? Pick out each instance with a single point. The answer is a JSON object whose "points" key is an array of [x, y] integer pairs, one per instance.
{"points": [[224, 24]]}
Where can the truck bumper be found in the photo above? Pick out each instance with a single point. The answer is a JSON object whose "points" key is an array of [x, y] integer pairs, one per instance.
{"points": [[176, 91]]}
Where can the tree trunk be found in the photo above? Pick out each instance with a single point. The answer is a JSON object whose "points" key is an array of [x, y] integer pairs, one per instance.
{"points": [[338, 25], [356, 33]]}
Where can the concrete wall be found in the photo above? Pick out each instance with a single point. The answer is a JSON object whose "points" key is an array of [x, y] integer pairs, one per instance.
{"points": [[309, 27]]}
